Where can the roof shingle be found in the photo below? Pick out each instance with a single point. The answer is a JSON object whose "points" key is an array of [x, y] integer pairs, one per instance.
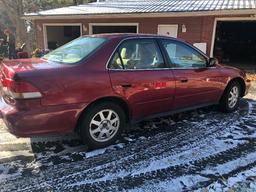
{"points": [[149, 6]]}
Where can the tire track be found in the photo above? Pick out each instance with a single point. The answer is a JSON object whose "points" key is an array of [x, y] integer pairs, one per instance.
{"points": [[169, 173]]}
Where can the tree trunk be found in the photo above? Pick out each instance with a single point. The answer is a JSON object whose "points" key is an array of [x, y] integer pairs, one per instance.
{"points": [[21, 34]]}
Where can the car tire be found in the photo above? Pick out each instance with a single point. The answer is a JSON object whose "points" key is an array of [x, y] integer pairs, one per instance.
{"points": [[102, 125], [230, 100]]}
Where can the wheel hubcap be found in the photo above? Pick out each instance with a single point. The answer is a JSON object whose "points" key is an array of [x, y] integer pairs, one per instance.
{"points": [[104, 125], [233, 97]]}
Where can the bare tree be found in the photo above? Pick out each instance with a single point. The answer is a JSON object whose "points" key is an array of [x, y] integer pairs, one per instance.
{"points": [[11, 12], [14, 11]]}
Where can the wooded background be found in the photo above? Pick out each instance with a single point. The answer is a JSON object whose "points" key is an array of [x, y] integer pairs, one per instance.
{"points": [[11, 12]]}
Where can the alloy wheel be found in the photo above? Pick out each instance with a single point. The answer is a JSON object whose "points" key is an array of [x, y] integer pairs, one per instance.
{"points": [[104, 125], [233, 97]]}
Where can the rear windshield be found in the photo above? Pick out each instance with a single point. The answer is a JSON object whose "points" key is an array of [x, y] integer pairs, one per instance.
{"points": [[75, 50]]}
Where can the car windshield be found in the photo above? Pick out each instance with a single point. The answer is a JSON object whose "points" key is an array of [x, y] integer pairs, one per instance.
{"points": [[75, 50]]}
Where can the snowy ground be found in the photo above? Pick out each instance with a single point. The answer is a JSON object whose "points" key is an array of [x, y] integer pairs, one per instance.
{"points": [[202, 150]]}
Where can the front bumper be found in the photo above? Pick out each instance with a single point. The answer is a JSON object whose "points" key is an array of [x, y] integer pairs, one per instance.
{"points": [[42, 120]]}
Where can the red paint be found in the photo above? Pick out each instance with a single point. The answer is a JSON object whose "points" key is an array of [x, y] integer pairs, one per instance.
{"points": [[202, 86], [68, 89]]}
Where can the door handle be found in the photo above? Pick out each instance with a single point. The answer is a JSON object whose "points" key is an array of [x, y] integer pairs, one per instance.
{"points": [[126, 85], [184, 80]]}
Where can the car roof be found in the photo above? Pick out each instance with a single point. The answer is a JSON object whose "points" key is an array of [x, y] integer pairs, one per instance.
{"points": [[130, 35], [123, 36]]}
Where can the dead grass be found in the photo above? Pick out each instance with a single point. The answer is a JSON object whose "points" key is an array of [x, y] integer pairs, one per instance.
{"points": [[251, 76]]}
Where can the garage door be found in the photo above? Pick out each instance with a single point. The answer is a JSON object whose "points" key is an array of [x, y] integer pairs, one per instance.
{"points": [[235, 43], [58, 35], [97, 29]]}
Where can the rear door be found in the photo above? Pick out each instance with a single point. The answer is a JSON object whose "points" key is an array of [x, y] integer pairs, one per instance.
{"points": [[196, 84], [139, 74]]}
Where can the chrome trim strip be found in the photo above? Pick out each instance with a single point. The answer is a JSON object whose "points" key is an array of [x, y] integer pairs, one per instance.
{"points": [[153, 69], [29, 95], [159, 69]]}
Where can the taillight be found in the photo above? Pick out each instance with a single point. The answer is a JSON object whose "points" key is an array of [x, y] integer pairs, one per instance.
{"points": [[20, 89]]}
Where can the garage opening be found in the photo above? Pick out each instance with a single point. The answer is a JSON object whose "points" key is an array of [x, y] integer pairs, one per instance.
{"points": [[57, 36], [235, 43], [97, 29]]}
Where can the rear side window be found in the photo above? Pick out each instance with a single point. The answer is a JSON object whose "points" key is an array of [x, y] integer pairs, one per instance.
{"points": [[75, 50], [183, 56], [137, 54]]}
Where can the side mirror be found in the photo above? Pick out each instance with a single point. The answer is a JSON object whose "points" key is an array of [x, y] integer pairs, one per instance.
{"points": [[212, 62]]}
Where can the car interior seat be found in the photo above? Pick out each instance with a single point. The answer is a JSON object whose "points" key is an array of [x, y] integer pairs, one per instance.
{"points": [[124, 56]]}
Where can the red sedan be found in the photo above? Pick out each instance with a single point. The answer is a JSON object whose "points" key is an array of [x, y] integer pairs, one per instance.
{"points": [[97, 85]]}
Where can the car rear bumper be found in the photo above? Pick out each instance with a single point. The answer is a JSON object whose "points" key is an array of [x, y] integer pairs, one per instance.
{"points": [[39, 121]]}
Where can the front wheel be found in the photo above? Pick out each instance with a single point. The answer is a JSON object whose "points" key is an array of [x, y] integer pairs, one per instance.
{"points": [[102, 125], [230, 99]]}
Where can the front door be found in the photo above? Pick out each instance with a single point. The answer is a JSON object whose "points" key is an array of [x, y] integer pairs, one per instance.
{"points": [[196, 84], [139, 74]]}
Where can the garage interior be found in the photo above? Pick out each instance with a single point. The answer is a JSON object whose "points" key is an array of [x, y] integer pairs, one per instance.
{"points": [[113, 29], [60, 35], [235, 43]]}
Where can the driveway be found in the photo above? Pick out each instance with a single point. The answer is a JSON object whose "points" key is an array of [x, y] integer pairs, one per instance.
{"points": [[197, 150]]}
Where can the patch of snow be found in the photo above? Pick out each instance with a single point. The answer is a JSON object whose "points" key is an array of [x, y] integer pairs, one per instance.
{"points": [[214, 147], [4, 170], [231, 182], [9, 154], [68, 149], [128, 139], [102, 151], [120, 145], [230, 165], [174, 185], [95, 152], [142, 138]]}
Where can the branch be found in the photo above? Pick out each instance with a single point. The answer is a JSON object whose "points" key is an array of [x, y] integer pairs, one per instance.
{"points": [[9, 5]]}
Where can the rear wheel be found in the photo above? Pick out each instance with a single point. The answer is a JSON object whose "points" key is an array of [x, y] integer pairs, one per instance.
{"points": [[230, 99], [102, 125]]}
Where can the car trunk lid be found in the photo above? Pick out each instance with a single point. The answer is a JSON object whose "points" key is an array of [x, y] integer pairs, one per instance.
{"points": [[13, 86], [11, 67]]}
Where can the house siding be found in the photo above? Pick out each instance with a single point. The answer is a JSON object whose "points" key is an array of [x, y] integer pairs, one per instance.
{"points": [[199, 29]]}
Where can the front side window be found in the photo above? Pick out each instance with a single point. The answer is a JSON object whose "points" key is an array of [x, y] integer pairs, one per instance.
{"points": [[137, 54], [75, 50], [183, 56]]}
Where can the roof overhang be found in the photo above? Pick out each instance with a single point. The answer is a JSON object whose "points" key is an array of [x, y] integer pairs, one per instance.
{"points": [[145, 15]]}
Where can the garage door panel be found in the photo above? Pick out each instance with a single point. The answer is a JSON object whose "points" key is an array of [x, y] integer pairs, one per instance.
{"points": [[114, 29]]}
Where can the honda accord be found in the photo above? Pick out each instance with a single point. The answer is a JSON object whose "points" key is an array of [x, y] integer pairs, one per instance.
{"points": [[98, 85]]}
